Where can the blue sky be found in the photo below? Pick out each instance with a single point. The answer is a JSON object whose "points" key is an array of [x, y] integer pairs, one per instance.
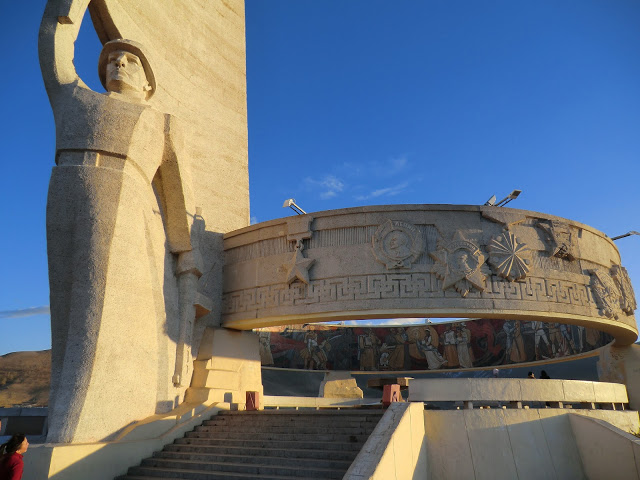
{"points": [[366, 102]]}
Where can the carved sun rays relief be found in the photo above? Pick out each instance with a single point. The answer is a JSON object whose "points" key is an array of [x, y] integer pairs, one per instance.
{"points": [[459, 264], [509, 257]]}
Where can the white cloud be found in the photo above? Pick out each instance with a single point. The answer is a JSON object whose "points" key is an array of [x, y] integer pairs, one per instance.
{"points": [[331, 185], [385, 192], [253, 220], [396, 165], [383, 169], [328, 194], [26, 312]]}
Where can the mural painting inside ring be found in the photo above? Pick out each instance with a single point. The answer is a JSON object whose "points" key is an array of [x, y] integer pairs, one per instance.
{"points": [[458, 345]]}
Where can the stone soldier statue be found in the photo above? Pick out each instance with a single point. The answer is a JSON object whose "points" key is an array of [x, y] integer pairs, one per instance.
{"points": [[122, 267]]}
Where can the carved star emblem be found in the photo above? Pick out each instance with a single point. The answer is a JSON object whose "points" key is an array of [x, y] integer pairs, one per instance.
{"points": [[459, 265], [298, 267]]}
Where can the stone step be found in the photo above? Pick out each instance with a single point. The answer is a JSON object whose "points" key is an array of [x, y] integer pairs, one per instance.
{"points": [[254, 458], [325, 453], [287, 421], [282, 470], [264, 445], [355, 412], [297, 437], [299, 429], [309, 444], [155, 473]]}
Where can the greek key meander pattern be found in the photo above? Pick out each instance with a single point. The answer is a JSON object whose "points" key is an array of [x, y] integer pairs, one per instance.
{"points": [[401, 286]]}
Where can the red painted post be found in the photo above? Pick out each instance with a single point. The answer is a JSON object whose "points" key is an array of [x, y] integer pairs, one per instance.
{"points": [[391, 393], [253, 401]]}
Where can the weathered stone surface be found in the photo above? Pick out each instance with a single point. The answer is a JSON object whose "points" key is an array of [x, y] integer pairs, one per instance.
{"points": [[606, 451], [339, 385], [427, 260], [622, 365], [514, 390], [135, 213], [528, 443]]}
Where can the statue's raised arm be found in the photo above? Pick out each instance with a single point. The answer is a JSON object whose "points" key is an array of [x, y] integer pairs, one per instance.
{"points": [[56, 42]]}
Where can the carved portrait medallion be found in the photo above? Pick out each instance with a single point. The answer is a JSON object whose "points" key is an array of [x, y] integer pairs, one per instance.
{"points": [[459, 265], [627, 297], [605, 293], [509, 258], [397, 244]]}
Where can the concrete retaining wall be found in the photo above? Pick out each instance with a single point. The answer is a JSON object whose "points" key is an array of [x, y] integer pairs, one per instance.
{"points": [[395, 449], [606, 451], [483, 390], [507, 444]]}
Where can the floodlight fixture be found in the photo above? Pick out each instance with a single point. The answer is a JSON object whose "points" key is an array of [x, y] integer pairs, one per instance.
{"points": [[632, 232], [491, 202], [512, 196], [291, 203]]}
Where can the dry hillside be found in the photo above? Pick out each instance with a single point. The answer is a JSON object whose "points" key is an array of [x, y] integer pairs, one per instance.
{"points": [[24, 379]]}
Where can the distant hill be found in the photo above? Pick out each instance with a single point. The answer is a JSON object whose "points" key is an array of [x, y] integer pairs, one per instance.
{"points": [[24, 379]]}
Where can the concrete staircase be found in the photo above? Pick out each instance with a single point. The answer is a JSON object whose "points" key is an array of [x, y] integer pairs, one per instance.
{"points": [[266, 445]]}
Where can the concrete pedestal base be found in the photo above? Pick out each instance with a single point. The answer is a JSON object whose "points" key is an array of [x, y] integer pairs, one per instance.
{"points": [[622, 365], [339, 385]]}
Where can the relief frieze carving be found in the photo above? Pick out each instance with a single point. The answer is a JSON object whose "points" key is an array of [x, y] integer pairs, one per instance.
{"points": [[605, 293], [405, 286], [559, 238], [509, 257], [397, 244], [459, 264], [627, 297], [503, 216], [298, 267], [299, 229]]}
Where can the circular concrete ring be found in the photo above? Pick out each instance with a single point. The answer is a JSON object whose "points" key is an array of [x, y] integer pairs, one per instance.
{"points": [[405, 261]]}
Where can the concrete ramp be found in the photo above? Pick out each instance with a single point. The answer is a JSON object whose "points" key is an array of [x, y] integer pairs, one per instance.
{"points": [[495, 444]]}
